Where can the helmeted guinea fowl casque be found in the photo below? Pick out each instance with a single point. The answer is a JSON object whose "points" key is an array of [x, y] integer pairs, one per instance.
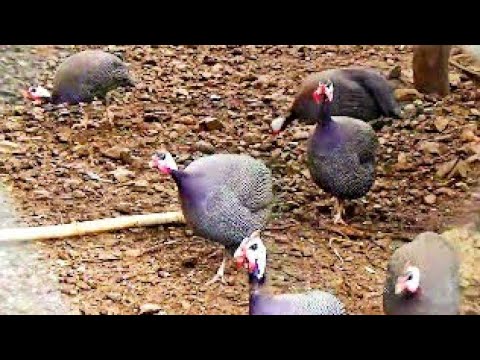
{"points": [[423, 278], [361, 93], [252, 254], [82, 77], [224, 197]]}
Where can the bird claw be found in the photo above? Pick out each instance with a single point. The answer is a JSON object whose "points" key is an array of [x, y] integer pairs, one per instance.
{"points": [[339, 211], [216, 278], [337, 220]]}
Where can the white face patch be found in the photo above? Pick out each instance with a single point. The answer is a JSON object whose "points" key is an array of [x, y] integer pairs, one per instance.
{"points": [[163, 161], [329, 91], [276, 124], [409, 281], [255, 252], [39, 92], [252, 254], [413, 281]]}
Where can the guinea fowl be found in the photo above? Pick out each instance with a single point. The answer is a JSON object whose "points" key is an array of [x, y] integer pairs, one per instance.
{"points": [[362, 93], [252, 254], [341, 153], [224, 197], [82, 77], [422, 278]]}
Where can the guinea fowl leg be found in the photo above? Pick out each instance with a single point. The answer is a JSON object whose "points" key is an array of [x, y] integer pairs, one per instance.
{"points": [[220, 275], [83, 124], [110, 116], [339, 210]]}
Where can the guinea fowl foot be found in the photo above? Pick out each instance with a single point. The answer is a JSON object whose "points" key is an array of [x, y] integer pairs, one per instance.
{"points": [[83, 124], [220, 275], [339, 212]]}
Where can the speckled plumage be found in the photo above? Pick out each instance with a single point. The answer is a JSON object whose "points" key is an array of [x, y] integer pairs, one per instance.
{"points": [[88, 74], [439, 279], [361, 93], [341, 157], [309, 303], [225, 197]]}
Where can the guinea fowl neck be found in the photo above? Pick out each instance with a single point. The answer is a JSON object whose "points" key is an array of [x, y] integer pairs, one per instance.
{"points": [[326, 111], [288, 120], [256, 288], [178, 175], [53, 99]]}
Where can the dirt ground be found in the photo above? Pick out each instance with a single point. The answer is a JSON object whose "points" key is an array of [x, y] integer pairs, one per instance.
{"points": [[59, 172]]}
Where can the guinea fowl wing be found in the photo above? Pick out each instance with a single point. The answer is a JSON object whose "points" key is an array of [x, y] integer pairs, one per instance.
{"points": [[309, 303], [381, 92], [255, 194], [360, 138], [227, 221]]}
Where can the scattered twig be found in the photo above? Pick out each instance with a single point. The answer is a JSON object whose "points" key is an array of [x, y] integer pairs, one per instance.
{"points": [[89, 227], [335, 251], [155, 248], [464, 68], [281, 227], [346, 232], [96, 261]]}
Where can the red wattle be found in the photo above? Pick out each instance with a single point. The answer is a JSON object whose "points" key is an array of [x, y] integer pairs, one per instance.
{"points": [[240, 263], [165, 170]]}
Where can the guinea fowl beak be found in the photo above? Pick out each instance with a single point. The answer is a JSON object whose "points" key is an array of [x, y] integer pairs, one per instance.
{"points": [[26, 95], [400, 287], [154, 162], [239, 257], [240, 261]]}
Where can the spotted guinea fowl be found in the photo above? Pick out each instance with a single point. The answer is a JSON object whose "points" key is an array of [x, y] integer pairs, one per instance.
{"points": [[252, 254], [224, 197], [361, 93], [341, 153], [82, 77], [422, 278]]}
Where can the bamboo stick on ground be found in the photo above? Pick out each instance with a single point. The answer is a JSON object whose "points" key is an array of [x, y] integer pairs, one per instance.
{"points": [[89, 227]]}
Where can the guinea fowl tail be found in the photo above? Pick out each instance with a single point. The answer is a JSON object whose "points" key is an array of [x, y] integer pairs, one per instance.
{"points": [[382, 93]]}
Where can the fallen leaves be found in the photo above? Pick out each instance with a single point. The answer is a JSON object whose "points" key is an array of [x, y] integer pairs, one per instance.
{"points": [[8, 146], [431, 147], [194, 100], [407, 95], [441, 123], [210, 124]]}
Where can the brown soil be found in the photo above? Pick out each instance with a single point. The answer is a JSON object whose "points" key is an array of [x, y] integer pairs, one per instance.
{"points": [[62, 173]]}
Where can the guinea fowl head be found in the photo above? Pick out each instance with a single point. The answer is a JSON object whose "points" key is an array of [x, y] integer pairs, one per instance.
{"points": [[163, 161], [278, 125], [408, 282], [37, 93], [323, 93], [252, 255], [122, 76]]}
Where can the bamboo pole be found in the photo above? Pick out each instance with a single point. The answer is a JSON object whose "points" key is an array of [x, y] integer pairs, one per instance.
{"points": [[89, 227]]}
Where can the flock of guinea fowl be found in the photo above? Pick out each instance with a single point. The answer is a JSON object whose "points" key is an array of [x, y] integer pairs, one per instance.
{"points": [[227, 198]]}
